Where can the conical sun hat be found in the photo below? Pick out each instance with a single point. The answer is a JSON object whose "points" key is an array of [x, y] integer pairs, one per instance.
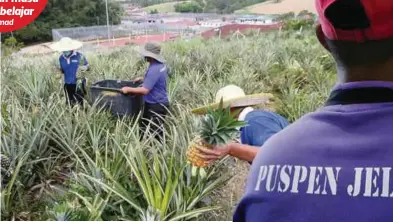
{"points": [[234, 96], [66, 44], [152, 50]]}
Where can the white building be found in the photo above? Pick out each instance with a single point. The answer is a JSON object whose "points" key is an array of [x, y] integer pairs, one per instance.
{"points": [[212, 23], [254, 20]]}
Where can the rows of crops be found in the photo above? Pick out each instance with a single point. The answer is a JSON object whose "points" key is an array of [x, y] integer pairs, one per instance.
{"points": [[81, 164]]}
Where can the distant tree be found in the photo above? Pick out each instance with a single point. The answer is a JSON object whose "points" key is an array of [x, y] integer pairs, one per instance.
{"points": [[11, 45], [201, 3], [146, 3], [297, 24], [286, 16], [154, 11], [65, 14], [227, 6], [305, 14], [185, 7]]}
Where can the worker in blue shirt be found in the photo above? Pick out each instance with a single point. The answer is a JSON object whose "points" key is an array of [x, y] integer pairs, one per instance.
{"points": [[154, 91], [70, 62]]}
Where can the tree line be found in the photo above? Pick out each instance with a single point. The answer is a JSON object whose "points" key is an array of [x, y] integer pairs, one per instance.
{"points": [[66, 14], [146, 3], [215, 6]]}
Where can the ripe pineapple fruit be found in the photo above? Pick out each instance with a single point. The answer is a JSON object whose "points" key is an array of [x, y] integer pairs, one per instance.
{"points": [[5, 162], [218, 127], [5, 169]]}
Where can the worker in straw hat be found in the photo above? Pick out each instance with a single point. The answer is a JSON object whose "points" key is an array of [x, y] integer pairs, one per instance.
{"points": [[154, 89], [70, 62], [261, 124]]}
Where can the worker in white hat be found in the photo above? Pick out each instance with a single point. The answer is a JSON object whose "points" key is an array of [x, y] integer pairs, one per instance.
{"points": [[70, 62], [261, 124]]}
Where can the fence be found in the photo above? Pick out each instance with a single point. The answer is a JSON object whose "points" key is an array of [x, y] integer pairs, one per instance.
{"points": [[120, 31], [132, 32], [196, 16]]}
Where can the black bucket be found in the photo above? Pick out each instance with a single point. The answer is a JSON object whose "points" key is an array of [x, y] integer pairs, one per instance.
{"points": [[107, 95]]}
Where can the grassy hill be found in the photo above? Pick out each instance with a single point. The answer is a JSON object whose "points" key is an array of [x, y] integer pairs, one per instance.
{"points": [[163, 8], [284, 6]]}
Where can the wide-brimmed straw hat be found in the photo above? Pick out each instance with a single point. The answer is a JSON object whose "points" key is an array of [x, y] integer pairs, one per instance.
{"points": [[152, 50], [66, 44], [234, 96]]}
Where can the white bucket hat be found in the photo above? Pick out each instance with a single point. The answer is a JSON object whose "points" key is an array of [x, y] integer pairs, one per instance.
{"points": [[234, 96], [152, 50], [66, 44]]}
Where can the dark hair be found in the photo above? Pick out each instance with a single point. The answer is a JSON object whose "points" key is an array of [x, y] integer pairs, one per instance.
{"points": [[349, 54]]}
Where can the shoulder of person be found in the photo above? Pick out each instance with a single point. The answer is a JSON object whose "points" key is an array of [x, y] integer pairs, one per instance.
{"points": [[80, 55], [159, 67], [296, 136], [259, 113]]}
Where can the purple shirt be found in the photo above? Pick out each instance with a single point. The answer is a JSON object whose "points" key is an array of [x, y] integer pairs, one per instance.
{"points": [[155, 81], [331, 165]]}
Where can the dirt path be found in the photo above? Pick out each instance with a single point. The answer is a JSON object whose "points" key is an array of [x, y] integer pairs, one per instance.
{"points": [[230, 194]]}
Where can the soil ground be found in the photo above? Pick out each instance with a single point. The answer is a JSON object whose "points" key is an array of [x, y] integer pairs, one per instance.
{"points": [[231, 193]]}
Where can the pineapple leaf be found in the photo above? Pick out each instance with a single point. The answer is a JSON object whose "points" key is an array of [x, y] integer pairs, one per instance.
{"points": [[220, 125]]}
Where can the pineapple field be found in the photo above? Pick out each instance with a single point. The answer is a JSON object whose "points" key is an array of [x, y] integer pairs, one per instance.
{"points": [[62, 163]]}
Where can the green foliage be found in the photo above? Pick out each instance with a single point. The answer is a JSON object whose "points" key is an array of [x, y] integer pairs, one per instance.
{"points": [[306, 14], [185, 7], [154, 11], [220, 125], [146, 3], [286, 16], [226, 6], [11, 45], [298, 24], [65, 14]]}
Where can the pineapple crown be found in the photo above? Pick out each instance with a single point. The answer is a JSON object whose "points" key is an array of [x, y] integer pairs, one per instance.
{"points": [[220, 125]]}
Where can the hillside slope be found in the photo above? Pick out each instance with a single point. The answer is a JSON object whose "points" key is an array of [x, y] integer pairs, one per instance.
{"points": [[285, 6], [163, 7]]}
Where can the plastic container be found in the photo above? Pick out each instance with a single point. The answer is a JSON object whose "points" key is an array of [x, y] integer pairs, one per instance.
{"points": [[107, 95]]}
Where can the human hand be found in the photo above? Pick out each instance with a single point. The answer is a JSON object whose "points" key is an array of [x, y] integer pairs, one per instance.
{"points": [[211, 155], [138, 79], [84, 68], [125, 90], [57, 70]]}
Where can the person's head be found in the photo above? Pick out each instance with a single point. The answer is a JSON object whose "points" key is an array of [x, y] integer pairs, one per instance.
{"points": [[66, 46], [359, 35], [151, 51], [237, 110], [67, 53], [236, 98], [149, 59]]}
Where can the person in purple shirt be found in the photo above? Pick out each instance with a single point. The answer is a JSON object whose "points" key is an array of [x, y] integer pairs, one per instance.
{"points": [[335, 164], [154, 90]]}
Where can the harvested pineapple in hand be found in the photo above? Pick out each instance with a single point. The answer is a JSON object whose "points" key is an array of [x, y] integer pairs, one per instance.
{"points": [[218, 127]]}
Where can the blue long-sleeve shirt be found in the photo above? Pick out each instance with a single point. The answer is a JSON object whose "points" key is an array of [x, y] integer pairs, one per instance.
{"points": [[261, 126], [69, 66]]}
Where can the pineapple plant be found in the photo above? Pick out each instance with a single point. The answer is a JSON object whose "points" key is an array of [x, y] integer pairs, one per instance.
{"points": [[218, 127]]}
